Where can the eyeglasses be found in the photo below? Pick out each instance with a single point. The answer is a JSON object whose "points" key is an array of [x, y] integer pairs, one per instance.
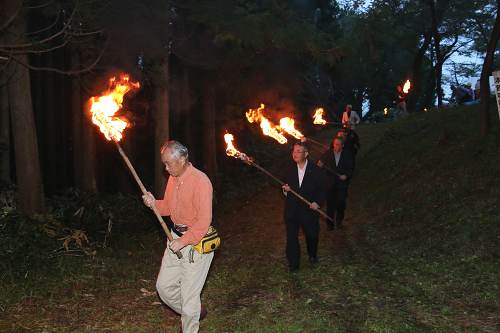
{"points": [[298, 152]]}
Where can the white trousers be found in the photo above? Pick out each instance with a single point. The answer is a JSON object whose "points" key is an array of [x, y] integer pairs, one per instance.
{"points": [[180, 282]]}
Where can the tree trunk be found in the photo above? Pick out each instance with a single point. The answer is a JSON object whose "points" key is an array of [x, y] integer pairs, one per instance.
{"points": [[89, 163], [76, 108], [4, 134], [485, 75], [49, 131], [161, 129], [29, 182], [208, 116], [416, 84], [186, 115]]}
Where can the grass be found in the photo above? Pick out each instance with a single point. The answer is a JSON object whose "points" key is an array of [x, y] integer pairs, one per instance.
{"points": [[419, 251]]}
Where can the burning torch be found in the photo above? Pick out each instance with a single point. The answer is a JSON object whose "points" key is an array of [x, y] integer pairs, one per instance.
{"points": [[231, 151], [287, 125], [103, 109]]}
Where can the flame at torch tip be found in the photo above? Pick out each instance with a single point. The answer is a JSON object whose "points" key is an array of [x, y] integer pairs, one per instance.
{"points": [[267, 128], [287, 125], [104, 107], [318, 117], [406, 87], [231, 151]]}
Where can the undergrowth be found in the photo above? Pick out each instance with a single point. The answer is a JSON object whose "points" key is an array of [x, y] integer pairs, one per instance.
{"points": [[418, 253]]}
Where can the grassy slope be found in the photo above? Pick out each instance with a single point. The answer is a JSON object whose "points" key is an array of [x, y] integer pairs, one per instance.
{"points": [[419, 251]]}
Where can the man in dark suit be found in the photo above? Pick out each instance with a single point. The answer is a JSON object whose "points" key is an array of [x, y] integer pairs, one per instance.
{"points": [[341, 161], [307, 180]]}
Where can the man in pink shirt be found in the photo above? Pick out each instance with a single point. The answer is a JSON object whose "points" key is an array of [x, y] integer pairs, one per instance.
{"points": [[188, 202]]}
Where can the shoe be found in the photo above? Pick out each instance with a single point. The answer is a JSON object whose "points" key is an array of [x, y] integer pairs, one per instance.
{"points": [[203, 312], [339, 225], [330, 225], [292, 269], [313, 260]]}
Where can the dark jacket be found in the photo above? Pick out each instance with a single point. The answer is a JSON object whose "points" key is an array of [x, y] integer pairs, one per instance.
{"points": [[313, 189], [343, 168], [352, 142]]}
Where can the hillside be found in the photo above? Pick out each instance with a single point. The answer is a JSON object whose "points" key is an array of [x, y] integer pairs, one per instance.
{"points": [[419, 250]]}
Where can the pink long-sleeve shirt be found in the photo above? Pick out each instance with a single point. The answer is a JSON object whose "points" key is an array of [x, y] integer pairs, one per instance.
{"points": [[188, 201]]}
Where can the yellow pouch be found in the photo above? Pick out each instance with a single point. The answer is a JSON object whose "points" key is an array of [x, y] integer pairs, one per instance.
{"points": [[209, 243]]}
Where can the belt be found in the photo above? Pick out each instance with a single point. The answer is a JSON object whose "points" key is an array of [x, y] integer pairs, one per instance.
{"points": [[181, 228]]}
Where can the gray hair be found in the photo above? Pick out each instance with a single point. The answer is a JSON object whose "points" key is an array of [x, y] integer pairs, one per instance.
{"points": [[349, 106], [304, 145], [177, 149]]}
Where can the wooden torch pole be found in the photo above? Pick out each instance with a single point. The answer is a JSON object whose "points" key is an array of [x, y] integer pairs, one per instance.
{"points": [[298, 195], [144, 191]]}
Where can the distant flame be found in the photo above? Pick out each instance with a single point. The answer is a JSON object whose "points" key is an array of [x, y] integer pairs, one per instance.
{"points": [[425, 109], [287, 125], [267, 127], [231, 151], [385, 111], [104, 107], [318, 117], [406, 87]]}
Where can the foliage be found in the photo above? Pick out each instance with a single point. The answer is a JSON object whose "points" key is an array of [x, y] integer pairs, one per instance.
{"points": [[79, 224]]}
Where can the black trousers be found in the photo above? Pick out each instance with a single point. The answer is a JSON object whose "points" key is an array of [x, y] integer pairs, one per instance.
{"points": [[336, 202], [310, 227]]}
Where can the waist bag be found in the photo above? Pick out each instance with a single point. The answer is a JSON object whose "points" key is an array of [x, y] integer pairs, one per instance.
{"points": [[209, 243]]}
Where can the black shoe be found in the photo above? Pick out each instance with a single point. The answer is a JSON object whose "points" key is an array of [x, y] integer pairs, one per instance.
{"points": [[313, 260], [292, 269], [330, 225], [339, 225], [203, 312]]}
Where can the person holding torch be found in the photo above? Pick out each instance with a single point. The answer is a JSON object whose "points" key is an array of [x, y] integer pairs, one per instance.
{"points": [[307, 180], [188, 201]]}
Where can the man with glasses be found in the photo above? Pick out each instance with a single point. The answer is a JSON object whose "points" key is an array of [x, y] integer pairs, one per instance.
{"points": [[307, 180], [341, 162]]}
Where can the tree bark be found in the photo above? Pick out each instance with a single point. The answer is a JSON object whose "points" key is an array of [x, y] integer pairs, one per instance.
{"points": [[89, 162], [76, 108], [416, 84], [161, 128], [209, 140], [485, 75], [49, 131], [29, 181], [4, 134]]}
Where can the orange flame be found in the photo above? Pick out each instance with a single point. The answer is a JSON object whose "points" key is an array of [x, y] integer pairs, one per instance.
{"points": [[385, 111], [318, 117], [231, 151], [267, 127], [425, 109], [104, 107], [406, 87], [287, 125]]}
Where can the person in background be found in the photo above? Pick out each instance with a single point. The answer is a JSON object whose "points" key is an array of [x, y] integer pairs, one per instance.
{"points": [[188, 202], [400, 104], [351, 142], [461, 94], [471, 91], [306, 179], [477, 90], [351, 116], [340, 161]]}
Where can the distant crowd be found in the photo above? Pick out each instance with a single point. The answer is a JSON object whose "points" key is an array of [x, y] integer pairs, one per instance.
{"points": [[466, 94]]}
